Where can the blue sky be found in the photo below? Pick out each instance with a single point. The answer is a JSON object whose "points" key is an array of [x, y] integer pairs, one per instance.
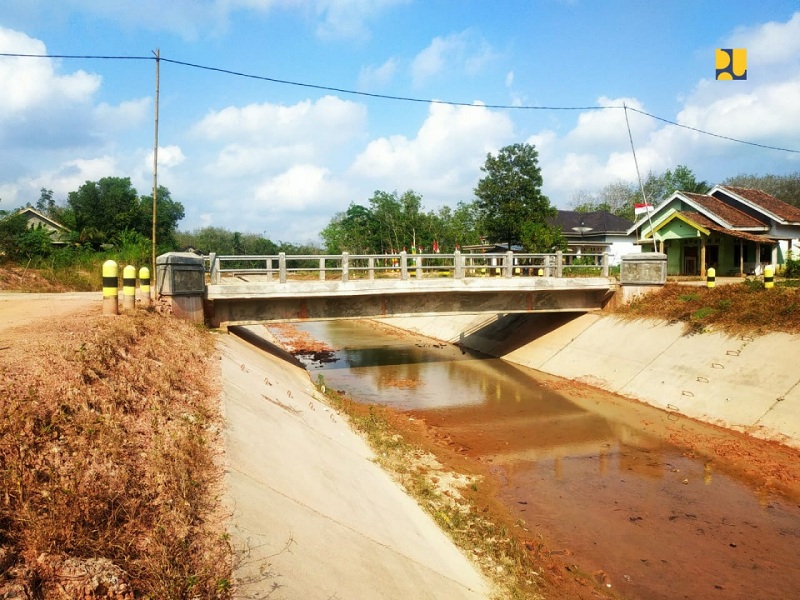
{"points": [[259, 156]]}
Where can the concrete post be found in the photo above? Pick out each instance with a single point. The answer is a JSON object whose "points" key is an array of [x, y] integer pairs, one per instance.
{"points": [[144, 285], [605, 264], [371, 267], [213, 268], [110, 288], [403, 265], [322, 269], [509, 266], [458, 265], [282, 267], [129, 288], [345, 266], [711, 277], [418, 266], [769, 277], [559, 264]]}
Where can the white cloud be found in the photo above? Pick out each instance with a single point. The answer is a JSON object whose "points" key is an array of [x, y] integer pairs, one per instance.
{"points": [[370, 78], [126, 115], [168, 156], [443, 161], [347, 18], [325, 119], [31, 84], [270, 137], [300, 188], [463, 52], [770, 44]]}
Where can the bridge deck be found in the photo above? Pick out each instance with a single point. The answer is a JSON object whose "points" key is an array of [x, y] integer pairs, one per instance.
{"points": [[291, 288]]}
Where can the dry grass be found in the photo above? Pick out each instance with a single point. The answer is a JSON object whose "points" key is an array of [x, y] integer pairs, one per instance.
{"points": [[744, 308], [108, 434]]}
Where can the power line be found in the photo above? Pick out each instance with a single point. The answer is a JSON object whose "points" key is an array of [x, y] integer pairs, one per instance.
{"points": [[399, 98], [716, 135]]}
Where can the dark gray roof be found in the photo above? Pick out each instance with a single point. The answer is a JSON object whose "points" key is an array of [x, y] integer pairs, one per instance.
{"points": [[600, 221]]}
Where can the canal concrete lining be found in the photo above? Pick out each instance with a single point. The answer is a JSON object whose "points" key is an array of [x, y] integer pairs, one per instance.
{"points": [[313, 516], [749, 384]]}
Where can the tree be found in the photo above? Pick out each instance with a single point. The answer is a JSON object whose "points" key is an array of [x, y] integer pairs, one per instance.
{"points": [[18, 241], [168, 213], [351, 231], [509, 197], [619, 197], [46, 204], [107, 207], [783, 187]]}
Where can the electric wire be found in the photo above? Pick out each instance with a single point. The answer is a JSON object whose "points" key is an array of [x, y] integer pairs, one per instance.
{"points": [[399, 98]]}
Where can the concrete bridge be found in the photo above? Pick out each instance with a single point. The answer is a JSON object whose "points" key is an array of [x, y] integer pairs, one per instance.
{"points": [[275, 288]]}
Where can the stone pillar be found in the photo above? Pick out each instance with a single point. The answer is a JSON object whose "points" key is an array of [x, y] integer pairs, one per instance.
{"points": [[180, 284], [642, 273]]}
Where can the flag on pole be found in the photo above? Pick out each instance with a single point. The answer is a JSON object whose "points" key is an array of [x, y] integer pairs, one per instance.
{"points": [[642, 208], [435, 246]]}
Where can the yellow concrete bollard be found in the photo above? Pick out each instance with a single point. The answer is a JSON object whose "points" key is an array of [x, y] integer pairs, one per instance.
{"points": [[129, 288], [144, 285], [110, 288], [769, 277], [711, 277]]}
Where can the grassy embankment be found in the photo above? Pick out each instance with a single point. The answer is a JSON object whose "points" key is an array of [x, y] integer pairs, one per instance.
{"points": [[109, 474]]}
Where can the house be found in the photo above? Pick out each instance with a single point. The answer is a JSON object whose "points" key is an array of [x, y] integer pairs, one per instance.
{"points": [[734, 230], [34, 218], [595, 233]]}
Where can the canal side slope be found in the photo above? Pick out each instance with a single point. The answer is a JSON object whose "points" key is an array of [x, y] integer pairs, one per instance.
{"points": [[313, 516], [745, 383]]}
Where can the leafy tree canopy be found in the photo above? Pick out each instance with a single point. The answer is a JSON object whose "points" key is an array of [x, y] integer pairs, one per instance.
{"points": [[392, 222], [101, 211], [783, 187], [619, 197], [510, 199]]}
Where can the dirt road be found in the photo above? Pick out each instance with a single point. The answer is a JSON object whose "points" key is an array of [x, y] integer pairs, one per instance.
{"points": [[18, 309]]}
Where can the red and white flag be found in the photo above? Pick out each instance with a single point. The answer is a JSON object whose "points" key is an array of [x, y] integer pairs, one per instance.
{"points": [[642, 208], [435, 246]]}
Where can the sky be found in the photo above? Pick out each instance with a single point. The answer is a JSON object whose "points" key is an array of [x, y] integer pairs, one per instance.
{"points": [[274, 115]]}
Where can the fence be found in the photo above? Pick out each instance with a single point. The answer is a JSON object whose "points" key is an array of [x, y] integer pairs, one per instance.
{"points": [[404, 266]]}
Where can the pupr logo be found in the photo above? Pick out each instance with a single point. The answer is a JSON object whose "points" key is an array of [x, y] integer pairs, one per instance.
{"points": [[731, 64]]}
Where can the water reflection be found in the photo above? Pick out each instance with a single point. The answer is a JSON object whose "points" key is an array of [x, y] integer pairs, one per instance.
{"points": [[654, 520], [520, 421]]}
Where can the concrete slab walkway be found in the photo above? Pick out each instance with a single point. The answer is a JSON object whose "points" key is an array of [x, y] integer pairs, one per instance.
{"points": [[313, 517]]}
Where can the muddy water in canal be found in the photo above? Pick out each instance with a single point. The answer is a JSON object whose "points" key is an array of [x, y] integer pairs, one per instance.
{"points": [[606, 481]]}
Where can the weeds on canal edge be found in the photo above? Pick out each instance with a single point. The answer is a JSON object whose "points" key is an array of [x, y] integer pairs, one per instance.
{"points": [[501, 557]]}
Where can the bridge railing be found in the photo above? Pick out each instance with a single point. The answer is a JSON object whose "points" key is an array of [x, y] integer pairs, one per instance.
{"points": [[282, 267]]}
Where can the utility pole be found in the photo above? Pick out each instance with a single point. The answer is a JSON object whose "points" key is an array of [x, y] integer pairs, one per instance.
{"points": [[155, 168]]}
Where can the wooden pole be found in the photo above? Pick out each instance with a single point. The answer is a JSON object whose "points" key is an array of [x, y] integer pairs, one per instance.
{"points": [[155, 164]]}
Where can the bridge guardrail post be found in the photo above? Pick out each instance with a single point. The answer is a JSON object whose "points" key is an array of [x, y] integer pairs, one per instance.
{"points": [[345, 266], [371, 267], [605, 264], [509, 266], [418, 265], [213, 268], [403, 265], [322, 269], [559, 264], [282, 267], [458, 265]]}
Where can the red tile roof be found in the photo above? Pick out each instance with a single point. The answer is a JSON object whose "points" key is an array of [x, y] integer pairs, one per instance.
{"points": [[785, 211], [733, 216], [704, 221]]}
